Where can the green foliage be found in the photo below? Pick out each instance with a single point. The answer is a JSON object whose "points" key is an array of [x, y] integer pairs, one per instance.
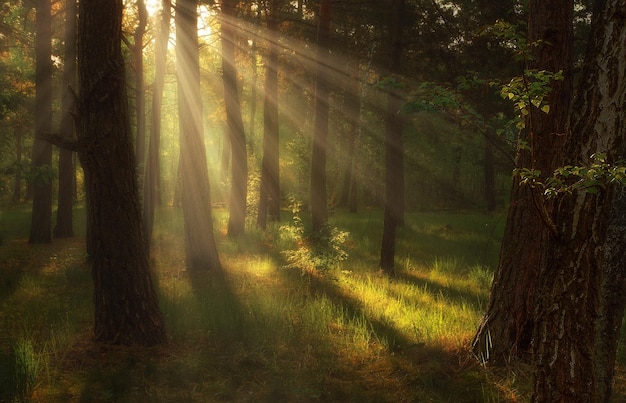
{"points": [[313, 250], [567, 179]]}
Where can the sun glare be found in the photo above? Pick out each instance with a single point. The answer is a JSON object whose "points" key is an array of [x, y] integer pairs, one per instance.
{"points": [[153, 7]]}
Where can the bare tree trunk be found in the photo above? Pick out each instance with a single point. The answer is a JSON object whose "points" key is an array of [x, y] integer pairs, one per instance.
{"points": [[200, 247], [269, 199], [505, 331], [126, 305], [41, 221], [576, 309], [64, 225], [237, 136], [140, 102], [319, 206], [151, 183], [394, 151]]}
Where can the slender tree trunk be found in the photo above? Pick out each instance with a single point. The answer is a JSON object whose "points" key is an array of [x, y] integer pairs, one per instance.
{"points": [[269, 199], [140, 102], [505, 331], [319, 198], [352, 111], [152, 172], [17, 186], [237, 136], [41, 221], [577, 310], [126, 305], [64, 226], [394, 151], [200, 247]]}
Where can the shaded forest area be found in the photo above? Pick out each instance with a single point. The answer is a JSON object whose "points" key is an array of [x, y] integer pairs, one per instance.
{"points": [[304, 200]]}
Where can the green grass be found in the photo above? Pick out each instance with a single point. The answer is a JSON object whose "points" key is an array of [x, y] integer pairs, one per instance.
{"points": [[261, 332]]}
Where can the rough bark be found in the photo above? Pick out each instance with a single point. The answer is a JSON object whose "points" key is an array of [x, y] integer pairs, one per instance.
{"points": [[140, 102], [505, 331], [576, 309], [41, 221], [394, 152], [319, 197], [236, 134], [126, 305], [152, 171], [269, 200], [200, 245], [64, 225]]}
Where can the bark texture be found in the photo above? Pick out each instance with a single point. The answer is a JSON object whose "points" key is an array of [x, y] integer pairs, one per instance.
{"points": [[573, 360], [505, 331], [126, 305]]}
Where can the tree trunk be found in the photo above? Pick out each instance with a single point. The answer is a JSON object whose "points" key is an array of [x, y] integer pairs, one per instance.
{"points": [[394, 151], [126, 305], [152, 172], [17, 186], [352, 111], [319, 207], [200, 245], [237, 136], [41, 221], [140, 102], [490, 177], [64, 226], [269, 199], [505, 331], [578, 309]]}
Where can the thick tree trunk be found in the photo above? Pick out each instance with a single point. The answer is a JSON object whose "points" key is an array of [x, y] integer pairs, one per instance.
{"points": [[41, 221], [64, 226], [152, 171], [394, 150], [200, 247], [236, 134], [319, 197], [505, 331], [577, 309], [126, 306], [269, 200]]}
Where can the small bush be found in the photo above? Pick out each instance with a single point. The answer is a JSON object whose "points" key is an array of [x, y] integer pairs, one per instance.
{"points": [[312, 250]]}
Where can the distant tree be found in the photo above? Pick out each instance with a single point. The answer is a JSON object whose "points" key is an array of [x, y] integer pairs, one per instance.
{"points": [[506, 328], [140, 103], [152, 170], [394, 150], [574, 349], [269, 199], [64, 225], [41, 221], [319, 202], [236, 133], [200, 247], [126, 306]]}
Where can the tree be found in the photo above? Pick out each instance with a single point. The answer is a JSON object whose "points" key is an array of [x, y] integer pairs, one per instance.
{"points": [[505, 331], [574, 349], [126, 305], [236, 134], [41, 221], [269, 199], [140, 103], [152, 171], [319, 206], [200, 247], [394, 153], [64, 225]]}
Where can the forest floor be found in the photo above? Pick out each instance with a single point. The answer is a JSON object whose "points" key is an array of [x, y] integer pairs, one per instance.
{"points": [[258, 332]]}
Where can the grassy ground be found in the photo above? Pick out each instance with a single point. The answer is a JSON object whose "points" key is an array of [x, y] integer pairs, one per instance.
{"points": [[259, 332]]}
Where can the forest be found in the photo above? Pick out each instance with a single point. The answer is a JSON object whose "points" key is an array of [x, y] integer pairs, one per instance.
{"points": [[312, 200]]}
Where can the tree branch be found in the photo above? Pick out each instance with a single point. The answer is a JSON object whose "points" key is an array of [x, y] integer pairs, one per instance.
{"points": [[58, 140]]}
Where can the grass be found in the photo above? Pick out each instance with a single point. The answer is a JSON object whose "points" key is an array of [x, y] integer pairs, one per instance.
{"points": [[261, 332]]}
